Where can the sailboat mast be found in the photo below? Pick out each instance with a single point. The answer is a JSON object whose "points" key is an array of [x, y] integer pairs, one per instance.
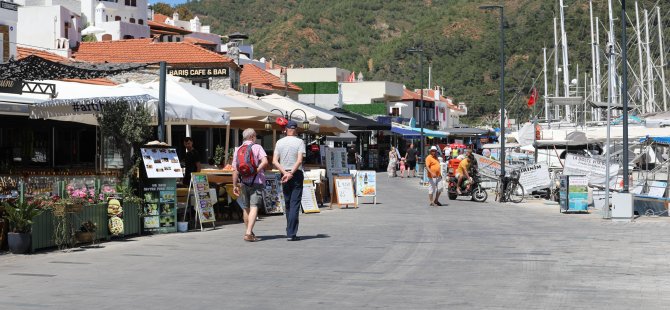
{"points": [[598, 85], [651, 107], [566, 73], [546, 103], [641, 87], [662, 51], [612, 58], [556, 78]]}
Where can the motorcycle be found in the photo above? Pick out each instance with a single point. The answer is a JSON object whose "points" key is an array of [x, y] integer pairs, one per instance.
{"points": [[476, 192]]}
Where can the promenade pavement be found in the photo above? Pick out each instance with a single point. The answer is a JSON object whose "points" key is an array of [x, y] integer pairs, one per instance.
{"points": [[398, 254]]}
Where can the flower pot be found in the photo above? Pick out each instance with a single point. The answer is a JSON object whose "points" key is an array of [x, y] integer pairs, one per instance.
{"points": [[84, 236], [19, 243]]}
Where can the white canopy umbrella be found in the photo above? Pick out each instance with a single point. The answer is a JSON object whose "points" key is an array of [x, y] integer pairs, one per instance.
{"points": [[92, 30], [239, 110], [79, 102], [328, 123]]}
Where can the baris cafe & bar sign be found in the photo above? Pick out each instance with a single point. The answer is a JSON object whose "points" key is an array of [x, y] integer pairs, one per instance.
{"points": [[199, 72]]}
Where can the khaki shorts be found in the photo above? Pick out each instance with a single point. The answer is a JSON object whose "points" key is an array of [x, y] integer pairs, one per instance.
{"points": [[434, 185], [251, 195]]}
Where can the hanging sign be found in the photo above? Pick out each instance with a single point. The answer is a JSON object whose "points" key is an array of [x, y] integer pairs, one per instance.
{"points": [[343, 191], [273, 195], [161, 163], [488, 167], [366, 183], [203, 200], [198, 72], [309, 204]]}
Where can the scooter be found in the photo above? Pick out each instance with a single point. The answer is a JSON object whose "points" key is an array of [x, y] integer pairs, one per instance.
{"points": [[476, 192]]}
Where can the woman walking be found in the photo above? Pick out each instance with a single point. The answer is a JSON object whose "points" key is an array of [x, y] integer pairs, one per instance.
{"points": [[393, 161]]}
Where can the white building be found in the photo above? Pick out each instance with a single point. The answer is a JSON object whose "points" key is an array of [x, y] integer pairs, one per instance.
{"points": [[50, 27], [8, 26], [198, 30]]}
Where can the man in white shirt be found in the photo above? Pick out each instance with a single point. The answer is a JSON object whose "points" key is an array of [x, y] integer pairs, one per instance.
{"points": [[288, 156]]}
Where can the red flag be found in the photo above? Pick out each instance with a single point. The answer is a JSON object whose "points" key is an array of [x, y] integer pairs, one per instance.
{"points": [[352, 77], [533, 97]]}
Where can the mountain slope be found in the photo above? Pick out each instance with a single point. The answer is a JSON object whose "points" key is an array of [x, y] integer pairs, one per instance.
{"points": [[461, 40]]}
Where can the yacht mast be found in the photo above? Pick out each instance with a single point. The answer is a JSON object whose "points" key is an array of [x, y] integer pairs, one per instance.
{"points": [[593, 59], [651, 104], [662, 51], [556, 78], [598, 85], [641, 87], [566, 73], [546, 103]]}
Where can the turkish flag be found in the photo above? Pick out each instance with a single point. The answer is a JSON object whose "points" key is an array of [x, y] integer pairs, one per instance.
{"points": [[533, 97]]}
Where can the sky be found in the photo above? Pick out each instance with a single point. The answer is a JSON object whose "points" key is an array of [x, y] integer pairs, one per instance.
{"points": [[171, 2]]}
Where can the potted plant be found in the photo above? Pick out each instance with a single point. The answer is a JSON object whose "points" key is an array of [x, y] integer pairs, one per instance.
{"points": [[86, 232], [20, 217]]}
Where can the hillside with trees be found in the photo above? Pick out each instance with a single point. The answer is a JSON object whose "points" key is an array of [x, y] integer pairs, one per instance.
{"points": [[460, 40]]}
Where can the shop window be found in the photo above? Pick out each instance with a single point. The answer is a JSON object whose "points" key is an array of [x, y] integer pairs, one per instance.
{"points": [[204, 83], [140, 21], [117, 18], [126, 37], [395, 111], [132, 20]]}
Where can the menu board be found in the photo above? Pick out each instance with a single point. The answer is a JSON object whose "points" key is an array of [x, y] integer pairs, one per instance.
{"points": [[534, 177], [159, 205], [309, 204], [344, 191], [578, 193], [273, 195], [161, 163], [203, 201], [336, 161], [366, 183]]}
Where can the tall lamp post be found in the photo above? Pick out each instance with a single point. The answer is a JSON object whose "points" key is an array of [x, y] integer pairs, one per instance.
{"points": [[502, 91], [419, 51], [287, 115]]}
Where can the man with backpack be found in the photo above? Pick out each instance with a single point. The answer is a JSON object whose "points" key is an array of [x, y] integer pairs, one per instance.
{"points": [[288, 157], [249, 162]]}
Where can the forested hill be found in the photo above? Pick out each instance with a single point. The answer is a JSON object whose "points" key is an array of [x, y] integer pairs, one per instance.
{"points": [[371, 36]]}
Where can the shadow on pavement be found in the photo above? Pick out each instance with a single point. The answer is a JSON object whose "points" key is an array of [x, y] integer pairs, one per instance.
{"points": [[302, 237]]}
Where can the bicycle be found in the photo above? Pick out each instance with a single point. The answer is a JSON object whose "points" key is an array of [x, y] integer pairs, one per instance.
{"points": [[513, 191]]}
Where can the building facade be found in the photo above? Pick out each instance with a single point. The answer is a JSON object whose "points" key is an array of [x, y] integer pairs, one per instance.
{"points": [[8, 30]]}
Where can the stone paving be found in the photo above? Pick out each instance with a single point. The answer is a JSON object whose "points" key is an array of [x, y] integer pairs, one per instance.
{"points": [[398, 254]]}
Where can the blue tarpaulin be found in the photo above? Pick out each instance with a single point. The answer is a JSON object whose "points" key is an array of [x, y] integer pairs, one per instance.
{"points": [[660, 140], [406, 133]]}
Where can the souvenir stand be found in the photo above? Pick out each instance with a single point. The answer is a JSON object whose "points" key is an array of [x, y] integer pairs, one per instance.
{"points": [[338, 174], [160, 189]]}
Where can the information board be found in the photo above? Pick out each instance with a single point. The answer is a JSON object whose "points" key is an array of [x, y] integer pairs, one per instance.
{"points": [[273, 195], [366, 183], [578, 193], [309, 204], [534, 177], [159, 205], [592, 168], [161, 163], [203, 201], [336, 161], [343, 191]]}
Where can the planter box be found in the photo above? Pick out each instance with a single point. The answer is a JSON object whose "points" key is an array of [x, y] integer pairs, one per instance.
{"points": [[43, 225]]}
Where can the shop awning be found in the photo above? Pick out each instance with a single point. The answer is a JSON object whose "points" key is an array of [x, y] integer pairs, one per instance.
{"points": [[327, 122], [406, 132], [359, 122], [466, 131], [342, 137]]}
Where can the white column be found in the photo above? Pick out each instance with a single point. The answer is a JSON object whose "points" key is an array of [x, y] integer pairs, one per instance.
{"points": [[662, 57]]}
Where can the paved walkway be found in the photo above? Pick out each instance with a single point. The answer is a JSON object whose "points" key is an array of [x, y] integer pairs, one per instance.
{"points": [[399, 254]]}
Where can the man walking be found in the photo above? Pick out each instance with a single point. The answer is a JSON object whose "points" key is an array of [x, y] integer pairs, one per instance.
{"points": [[249, 162], [410, 158], [434, 171], [288, 156]]}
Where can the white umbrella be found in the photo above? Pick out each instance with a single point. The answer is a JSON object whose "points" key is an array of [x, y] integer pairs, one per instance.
{"points": [[400, 105], [79, 102], [92, 30]]}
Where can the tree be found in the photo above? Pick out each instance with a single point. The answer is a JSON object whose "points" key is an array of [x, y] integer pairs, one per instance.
{"points": [[128, 128], [163, 8]]}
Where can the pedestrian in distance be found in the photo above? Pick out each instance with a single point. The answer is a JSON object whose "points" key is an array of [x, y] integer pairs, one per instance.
{"points": [[393, 161], [249, 163], [288, 156], [410, 158], [402, 167], [434, 171], [191, 161]]}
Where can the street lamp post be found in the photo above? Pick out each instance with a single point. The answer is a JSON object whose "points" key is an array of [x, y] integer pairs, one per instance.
{"points": [[502, 91], [419, 51], [287, 115]]}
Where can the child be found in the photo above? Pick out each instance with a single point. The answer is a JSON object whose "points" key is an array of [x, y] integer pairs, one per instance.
{"points": [[402, 167]]}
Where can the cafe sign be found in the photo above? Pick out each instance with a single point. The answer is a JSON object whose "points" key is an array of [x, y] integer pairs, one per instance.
{"points": [[198, 72], [11, 86]]}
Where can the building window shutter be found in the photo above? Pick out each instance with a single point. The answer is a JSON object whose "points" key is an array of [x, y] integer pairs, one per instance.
{"points": [[4, 31]]}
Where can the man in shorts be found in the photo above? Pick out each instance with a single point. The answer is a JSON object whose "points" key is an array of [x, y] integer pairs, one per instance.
{"points": [[463, 169], [434, 170], [250, 188], [410, 160]]}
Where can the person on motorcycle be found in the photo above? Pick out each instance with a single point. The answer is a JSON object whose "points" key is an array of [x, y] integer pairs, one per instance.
{"points": [[463, 170]]}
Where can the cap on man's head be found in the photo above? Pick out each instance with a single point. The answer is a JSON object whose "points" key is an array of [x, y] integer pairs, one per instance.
{"points": [[292, 125], [433, 148]]}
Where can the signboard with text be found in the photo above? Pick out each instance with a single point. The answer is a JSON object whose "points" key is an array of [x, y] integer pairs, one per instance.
{"points": [[592, 168], [10, 86], [198, 72], [161, 163], [534, 177]]}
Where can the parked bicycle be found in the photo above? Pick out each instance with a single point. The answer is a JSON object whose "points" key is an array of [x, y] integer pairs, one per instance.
{"points": [[514, 190]]}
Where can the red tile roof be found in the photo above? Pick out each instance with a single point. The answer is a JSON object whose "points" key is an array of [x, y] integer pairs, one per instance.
{"points": [[431, 93], [158, 17], [410, 95], [153, 26], [98, 81], [147, 51], [262, 79], [23, 52], [198, 41]]}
